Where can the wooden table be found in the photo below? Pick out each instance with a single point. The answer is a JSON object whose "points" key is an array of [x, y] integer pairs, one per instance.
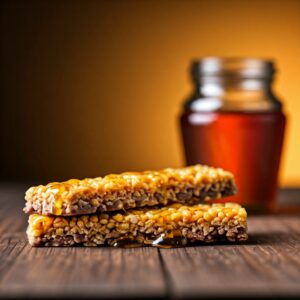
{"points": [[267, 265]]}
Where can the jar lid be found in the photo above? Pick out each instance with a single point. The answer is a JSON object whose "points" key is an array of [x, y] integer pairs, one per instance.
{"points": [[245, 67]]}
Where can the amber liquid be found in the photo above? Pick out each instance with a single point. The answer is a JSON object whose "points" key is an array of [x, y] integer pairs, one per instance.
{"points": [[247, 144]]}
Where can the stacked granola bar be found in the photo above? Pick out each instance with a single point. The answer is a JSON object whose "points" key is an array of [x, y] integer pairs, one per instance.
{"points": [[159, 208]]}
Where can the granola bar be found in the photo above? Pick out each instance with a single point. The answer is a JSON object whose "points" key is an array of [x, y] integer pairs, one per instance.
{"points": [[174, 225], [189, 185]]}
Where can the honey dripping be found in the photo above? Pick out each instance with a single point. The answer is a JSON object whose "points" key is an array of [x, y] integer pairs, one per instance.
{"points": [[163, 241], [127, 243]]}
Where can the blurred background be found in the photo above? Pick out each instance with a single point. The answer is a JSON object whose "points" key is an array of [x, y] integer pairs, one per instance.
{"points": [[94, 87]]}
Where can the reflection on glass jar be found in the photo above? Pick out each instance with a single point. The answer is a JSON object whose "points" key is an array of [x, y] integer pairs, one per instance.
{"points": [[234, 121]]}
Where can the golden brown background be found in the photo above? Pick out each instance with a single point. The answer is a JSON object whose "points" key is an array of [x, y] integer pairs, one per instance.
{"points": [[92, 87]]}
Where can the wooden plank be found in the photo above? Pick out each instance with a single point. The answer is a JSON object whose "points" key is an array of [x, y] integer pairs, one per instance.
{"points": [[288, 201], [267, 265], [10, 248], [12, 218], [96, 272]]}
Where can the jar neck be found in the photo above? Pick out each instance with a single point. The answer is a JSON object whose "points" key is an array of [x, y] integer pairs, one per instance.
{"points": [[240, 88], [233, 94]]}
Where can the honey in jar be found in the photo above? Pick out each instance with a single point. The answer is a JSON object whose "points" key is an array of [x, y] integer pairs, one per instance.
{"points": [[234, 121]]}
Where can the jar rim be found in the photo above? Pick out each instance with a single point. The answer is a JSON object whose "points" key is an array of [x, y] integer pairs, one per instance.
{"points": [[245, 67]]}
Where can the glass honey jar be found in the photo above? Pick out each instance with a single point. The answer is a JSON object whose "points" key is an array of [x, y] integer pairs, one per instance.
{"points": [[233, 120]]}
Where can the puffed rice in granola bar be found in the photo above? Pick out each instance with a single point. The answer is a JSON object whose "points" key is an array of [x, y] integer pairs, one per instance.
{"points": [[189, 185], [169, 226]]}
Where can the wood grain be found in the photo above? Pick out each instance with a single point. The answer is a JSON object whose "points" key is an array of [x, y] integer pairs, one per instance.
{"points": [[84, 272], [267, 265]]}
